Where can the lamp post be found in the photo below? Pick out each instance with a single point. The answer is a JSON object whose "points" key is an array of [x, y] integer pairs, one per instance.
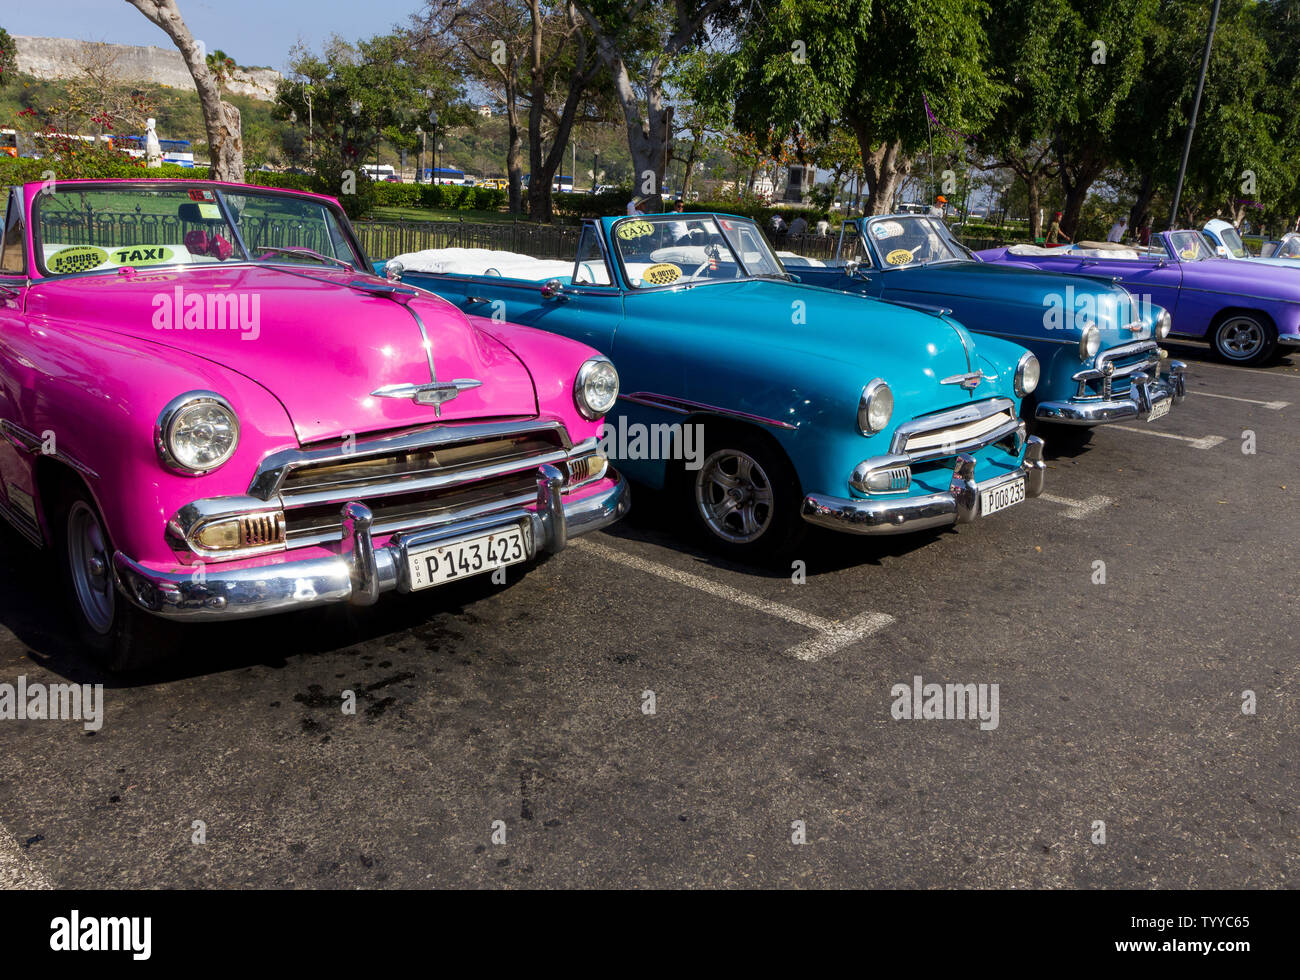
{"points": [[311, 146], [293, 121], [433, 121], [1191, 123], [419, 166], [356, 123], [595, 172]]}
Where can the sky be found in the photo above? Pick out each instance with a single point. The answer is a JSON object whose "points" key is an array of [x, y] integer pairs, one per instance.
{"points": [[253, 32]]}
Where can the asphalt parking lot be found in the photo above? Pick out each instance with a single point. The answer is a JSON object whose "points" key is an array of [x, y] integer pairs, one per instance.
{"points": [[1119, 702]]}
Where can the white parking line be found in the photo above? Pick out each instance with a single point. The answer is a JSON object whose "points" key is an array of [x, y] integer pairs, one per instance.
{"points": [[1079, 509], [1204, 442], [1274, 406], [834, 635], [16, 868]]}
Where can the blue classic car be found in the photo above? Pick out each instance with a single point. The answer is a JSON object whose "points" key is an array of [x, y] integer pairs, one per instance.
{"points": [[1246, 318], [1099, 349], [763, 404]]}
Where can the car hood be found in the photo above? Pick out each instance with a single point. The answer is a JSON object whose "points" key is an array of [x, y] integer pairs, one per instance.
{"points": [[318, 345], [984, 280], [912, 350]]}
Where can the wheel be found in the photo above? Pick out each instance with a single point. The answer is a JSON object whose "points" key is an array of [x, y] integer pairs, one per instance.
{"points": [[118, 636], [745, 496], [1245, 338]]}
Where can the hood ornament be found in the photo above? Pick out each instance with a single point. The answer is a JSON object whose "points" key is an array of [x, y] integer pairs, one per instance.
{"points": [[968, 381], [430, 393]]}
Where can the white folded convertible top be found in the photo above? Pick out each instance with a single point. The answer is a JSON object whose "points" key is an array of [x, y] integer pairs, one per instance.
{"points": [[484, 261]]}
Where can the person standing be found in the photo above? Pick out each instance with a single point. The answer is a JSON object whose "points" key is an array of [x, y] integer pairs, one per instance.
{"points": [[1117, 230], [1054, 234], [799, 226], [1144, 231]]}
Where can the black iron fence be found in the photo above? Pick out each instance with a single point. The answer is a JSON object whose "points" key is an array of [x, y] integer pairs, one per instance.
{"points": [[385, 239]]}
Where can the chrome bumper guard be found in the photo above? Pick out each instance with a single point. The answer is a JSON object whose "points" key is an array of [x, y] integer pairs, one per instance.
{"points": [[1290, 339], [958, 505], [1143, 396], [360, 572]]}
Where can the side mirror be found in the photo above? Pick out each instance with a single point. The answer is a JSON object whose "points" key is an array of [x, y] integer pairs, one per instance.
{"points": [[553, 289], [1221, 251], [393, 270], [851, 266]]}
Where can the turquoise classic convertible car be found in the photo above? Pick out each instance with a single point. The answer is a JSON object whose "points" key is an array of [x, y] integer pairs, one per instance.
{"points": [[763, 404]]}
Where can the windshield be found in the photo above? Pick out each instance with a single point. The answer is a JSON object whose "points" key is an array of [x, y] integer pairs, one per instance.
{"points": [[912, 240], [1191, 246], [674, 249], [1290, 247], [105, 228], [1233, 243]]}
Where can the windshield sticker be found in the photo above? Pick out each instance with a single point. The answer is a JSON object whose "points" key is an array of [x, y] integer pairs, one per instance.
{"points": [[661, 274], [886, 229], [635, 229], [899, 256], [202, 195], [210, 212], [1188, 253], [142, 255], [78, 258]]}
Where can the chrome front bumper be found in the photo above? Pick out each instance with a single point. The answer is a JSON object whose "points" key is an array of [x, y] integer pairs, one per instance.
{"points": [[361, 571], [1144, 396], [1290, 339], [958, 505]]}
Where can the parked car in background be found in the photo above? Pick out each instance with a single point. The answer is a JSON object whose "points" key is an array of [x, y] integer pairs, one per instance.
{"points": [[213, 409], [774, 405], [1100, 351], [1222, 235], [1246, 320]]}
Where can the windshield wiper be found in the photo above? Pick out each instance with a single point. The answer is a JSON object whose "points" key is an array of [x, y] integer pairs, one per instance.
{"points": [[310, 253]]}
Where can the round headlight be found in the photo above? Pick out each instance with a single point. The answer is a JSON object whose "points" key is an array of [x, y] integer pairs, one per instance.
{"points": [[1089, 342], [1027, 374], [1164, 323], [595, 389], [875, 407], [196, 433]]}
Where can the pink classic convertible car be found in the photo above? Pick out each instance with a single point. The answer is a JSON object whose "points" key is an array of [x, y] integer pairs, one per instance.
{"points": [[212, 409]]}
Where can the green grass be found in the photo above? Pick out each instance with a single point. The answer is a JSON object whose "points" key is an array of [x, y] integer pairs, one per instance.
{"points": [[441, 214]]}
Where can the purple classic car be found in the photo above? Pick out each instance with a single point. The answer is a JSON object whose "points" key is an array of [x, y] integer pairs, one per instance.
{"points": [[1247, 315], [212, 408]]}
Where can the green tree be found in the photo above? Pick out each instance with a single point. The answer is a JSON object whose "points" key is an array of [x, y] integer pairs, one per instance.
{"points": [[8, 57], [871, 66]]}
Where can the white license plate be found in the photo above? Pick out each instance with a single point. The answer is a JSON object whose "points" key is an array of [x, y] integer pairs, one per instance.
{"points": [[1002, 496], [441, 563], [1160, 409]]}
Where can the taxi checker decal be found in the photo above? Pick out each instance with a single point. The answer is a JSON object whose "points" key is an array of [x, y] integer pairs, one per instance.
{"points": [[662, 274], [76, 258]]}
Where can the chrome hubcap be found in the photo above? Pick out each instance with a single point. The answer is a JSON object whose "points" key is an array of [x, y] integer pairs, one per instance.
{"points": [[88, 556], [734, 496], [1241, 338]]}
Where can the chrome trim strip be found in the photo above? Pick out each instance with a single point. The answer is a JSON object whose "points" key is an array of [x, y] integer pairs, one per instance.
{"points": [[23, 524], [683, 406], [32, 443]]}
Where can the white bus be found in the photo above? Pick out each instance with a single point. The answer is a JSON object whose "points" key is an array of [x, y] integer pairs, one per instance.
{"points": [[377, 172]]}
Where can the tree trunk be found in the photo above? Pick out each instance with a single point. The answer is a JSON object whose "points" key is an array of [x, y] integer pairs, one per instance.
{"points": [[690, 166], [1034, 193], [220, 119], [1146, 192], [883, 166], [1077, 179], [514, 165]]}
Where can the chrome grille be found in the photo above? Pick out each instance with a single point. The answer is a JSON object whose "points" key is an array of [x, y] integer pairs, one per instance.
{"points": [[1111, 377], [413, 479], [957, 430]]}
